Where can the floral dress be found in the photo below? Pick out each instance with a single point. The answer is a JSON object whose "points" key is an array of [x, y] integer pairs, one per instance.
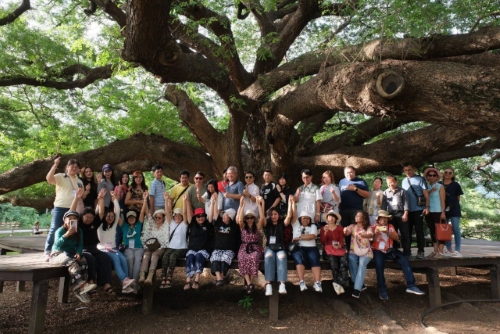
{"points": [[250, 253]]}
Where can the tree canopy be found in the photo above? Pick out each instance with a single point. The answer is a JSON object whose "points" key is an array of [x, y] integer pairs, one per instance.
{"points": [[285, 85]]}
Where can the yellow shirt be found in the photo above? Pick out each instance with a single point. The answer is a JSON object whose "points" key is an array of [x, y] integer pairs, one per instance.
{"points": [[175, 192], [65, 190]]}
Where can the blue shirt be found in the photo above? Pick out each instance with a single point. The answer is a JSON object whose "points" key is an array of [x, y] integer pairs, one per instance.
{"points": [[351, 200], [235, 189], [418, 183], [157, 189]]}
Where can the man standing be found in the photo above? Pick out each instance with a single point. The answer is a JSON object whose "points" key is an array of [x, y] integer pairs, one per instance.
{"points": [[308, 197], [353, 190], [177, 192], [396, 202], [251, 191], [156, 190], [233, 191], [267, 190], [197, 190], [416, 187]]}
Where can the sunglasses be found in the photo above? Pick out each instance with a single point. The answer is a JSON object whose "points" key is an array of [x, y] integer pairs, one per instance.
{"points": [[250, 217], [249, 177], [198, 178], [431, 175], [199, 216], [157, 217], [448, 172]]}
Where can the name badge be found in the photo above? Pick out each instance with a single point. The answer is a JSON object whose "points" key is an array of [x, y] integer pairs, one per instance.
{"points": [[131, 243], [395, 200], [74, 193], [272, 240], [381, 245]]}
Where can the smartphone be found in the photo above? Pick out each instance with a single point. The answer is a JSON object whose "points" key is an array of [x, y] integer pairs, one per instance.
{"points": [[382, 228], [73, 224]]}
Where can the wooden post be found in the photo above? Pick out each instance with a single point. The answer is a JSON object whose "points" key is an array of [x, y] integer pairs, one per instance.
{"points": [[63, 292], [1, 286], [38, 307], [453, 271], [147, 297], [274, 303], [434, 288], [20, 286], [3, 251], [495, 281]]}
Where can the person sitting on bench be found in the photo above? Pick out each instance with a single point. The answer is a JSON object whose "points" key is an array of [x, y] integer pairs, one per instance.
{"points": [[382, 246]]}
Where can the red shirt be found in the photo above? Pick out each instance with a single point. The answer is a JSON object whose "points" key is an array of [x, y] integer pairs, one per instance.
{"points": [[336, 235], [381, 241]]}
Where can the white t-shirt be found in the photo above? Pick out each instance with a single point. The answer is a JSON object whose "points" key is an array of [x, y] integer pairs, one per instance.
{"points": [[297, 232], [179, 239], [66, 188], [208, 202], [308, 198], [249, 205]]}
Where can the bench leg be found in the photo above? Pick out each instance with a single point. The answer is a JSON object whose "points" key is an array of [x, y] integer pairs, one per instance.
{"points": [[20, 286], [38, 306], [495, 281], [453, 271], [147, 297], [63, 292], [434, 288], [1, 286], [3, 251], [274, 303]]}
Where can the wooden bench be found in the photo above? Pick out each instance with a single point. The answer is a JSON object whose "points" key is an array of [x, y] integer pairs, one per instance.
{"points": [[10, 226], [30, 267]]}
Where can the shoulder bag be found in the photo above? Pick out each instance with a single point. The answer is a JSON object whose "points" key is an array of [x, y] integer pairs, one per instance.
{"points": [[420, 199]]}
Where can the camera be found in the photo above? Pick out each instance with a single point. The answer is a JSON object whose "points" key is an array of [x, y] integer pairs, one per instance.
{"points": [[73, 224]]}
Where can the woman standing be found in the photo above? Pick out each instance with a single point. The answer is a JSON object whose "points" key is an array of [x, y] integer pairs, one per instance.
{"points": [[437, 198], [121, 191], [275, 259], [66, 184], [155, 227], [360, 253], [250, 252], [208, 197], [332, 239], [134, 198], [283, 192], [108, 183], [90, 186], [331, 195], [373, 202], [453, 191]]}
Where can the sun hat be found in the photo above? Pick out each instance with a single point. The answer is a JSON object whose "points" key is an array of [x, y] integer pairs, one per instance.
{"points": [[432, 169], [131, 213], [249, 213], [231, 213], [305, 214], [332, 213], [177, 211], [383, 213]]}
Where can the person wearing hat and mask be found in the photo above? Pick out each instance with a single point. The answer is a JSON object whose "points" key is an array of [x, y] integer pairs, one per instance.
{"points": [[108, 183], [177, 242], [199, 245], [226, 232], [382, 246], [154, 227], [67, 251], [332, 239], [305, 232], [250, 252], [275, 259]]}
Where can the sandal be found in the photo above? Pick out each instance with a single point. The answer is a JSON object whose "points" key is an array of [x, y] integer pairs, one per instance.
{"points": [[250, 288], [110, 291], [431, 255], [93, 294], [218, 282], [187, 286], [196, 285], [166, 282]]}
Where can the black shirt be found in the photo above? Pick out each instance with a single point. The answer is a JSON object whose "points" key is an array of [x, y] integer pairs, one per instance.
{"points": [[277, 231], [90, 238], [199, 236], [268, 194], [225, 235]]}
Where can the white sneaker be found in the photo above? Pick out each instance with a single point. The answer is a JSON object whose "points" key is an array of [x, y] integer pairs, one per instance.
{"points": [[87, 288], [282, 289], [84, 298], [337, 288], [128, 290], [456, 254], [303, 286], [127, 282], [269, 289], [317, 287], [447, 253], [341, 289]]}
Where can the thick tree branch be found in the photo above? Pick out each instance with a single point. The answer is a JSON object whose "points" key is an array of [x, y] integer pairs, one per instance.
{"points": [[310, 127], [38, 204], [23, 7], [452, 94], [174, 156], [110, 8], [467, 151], [91, 76]]}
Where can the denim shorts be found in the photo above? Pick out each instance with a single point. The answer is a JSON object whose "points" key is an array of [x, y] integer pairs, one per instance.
{"points": [[306, 254]]}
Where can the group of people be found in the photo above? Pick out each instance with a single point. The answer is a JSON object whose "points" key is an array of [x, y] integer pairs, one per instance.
{"points": [[98, 225]]}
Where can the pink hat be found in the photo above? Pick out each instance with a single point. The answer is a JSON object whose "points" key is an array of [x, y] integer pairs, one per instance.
{"points": [[432, 169]]}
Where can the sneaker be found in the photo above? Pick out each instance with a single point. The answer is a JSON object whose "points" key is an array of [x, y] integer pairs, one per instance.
{"points": [[383, 295], [364, 288], [282, 289], [46, 258], [317, 287], [337, 287], [439, 255], [341, 289], [269, 289], [356, 293], [127, 282], [456, 254], [447, 253], [303, 286], [83, 297], [431, 255], [87, 287], [128, 290], [420, 255], [415, 291]]}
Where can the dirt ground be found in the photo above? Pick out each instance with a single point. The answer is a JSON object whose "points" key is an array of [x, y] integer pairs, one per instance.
{"points": [[220, 310]]}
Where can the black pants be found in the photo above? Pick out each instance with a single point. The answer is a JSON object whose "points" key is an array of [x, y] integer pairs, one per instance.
{"points": [[99, 263], [415, 221], [404, 229]]}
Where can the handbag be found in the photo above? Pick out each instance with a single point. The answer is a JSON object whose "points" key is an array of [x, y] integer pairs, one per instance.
{"points": [[420, 199], [152, 244], [443, 231], [294, 245]]}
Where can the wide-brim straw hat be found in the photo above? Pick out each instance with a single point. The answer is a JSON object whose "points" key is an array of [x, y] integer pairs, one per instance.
{"points": [[383, 213], [332, 213]]}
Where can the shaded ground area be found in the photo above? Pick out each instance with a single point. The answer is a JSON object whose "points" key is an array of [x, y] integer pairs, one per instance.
{"points": [[219, 310]]}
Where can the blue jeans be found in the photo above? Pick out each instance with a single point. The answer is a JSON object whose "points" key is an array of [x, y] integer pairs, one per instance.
{"points": [[379, 259], [119, 263], [195, 264], [306, 254], [357, 268], [275, 261], [55, 223], [455, 224]]}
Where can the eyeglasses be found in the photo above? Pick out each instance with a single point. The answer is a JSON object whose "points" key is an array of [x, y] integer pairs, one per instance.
{"points": [[249, 217], [199, 216], [448, 172], [158, 217], [431, 175], [198, 178], [249, 177]]}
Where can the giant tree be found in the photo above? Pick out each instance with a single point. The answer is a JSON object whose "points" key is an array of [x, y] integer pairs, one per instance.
{"points": [[258, 84]]}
